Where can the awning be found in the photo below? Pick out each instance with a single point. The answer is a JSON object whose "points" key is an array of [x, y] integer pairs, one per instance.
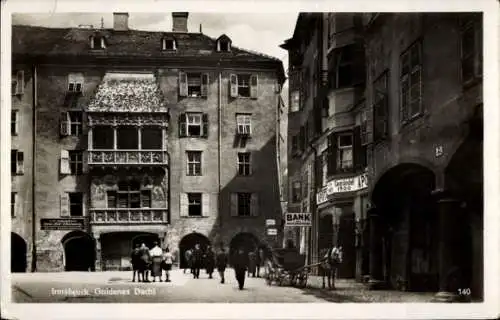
{"points": [[128, 92]]}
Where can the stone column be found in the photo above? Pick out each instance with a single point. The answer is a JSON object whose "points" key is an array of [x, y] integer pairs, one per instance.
{"points": [[450, 228], [98, 257], [376, 259]]}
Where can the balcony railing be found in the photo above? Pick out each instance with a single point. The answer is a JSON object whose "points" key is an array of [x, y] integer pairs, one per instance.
{"points": [[127, 157], [128, 215]]}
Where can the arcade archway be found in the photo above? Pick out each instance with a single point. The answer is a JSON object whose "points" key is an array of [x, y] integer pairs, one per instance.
{"points": [[244, 240], [18, 251], [188, 242], [404, 240], [116, 247], [79, 251]]}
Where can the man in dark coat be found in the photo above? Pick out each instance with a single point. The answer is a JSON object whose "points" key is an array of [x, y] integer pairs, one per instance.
{"points": [[240, 267], [209, 261], [136, 263], [197, 260], [221, 262]]}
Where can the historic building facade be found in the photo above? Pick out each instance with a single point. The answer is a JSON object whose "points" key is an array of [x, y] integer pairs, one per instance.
{"points": [[140, 137], [401, 115]]}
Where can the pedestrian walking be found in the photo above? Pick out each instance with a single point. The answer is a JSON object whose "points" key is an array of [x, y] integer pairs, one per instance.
{"points": [[156, 258], [136, 263], [252, 264], [221, 262], [259, 260], [144, 263], [168, 260], [197, 259], [209, 261], [188, 255], [240, 267]]}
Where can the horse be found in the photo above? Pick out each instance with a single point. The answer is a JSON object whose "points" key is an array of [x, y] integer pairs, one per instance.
{"points": [[329, 262]]}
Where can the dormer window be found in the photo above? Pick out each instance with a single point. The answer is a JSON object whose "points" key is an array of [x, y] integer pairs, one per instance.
{"points": [[75, 83], [168, 44], [223, 44], [97, 42]]}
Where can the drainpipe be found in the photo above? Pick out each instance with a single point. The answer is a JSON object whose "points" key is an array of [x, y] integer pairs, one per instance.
{"points": [[33, 170], [219, 123], [313, 205]]}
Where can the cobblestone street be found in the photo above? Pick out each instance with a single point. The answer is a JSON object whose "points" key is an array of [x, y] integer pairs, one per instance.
{"points": [[48, 287]]}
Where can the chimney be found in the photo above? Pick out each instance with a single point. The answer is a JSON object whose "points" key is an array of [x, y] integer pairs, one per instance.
{"points": [[120, 21], [179, 21]]}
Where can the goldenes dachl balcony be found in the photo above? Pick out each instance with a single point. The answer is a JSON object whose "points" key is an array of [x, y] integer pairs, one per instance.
{"points": [[128, 215], [128, 157]]}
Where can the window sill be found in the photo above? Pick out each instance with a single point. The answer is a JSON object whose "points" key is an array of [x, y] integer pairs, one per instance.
{"points": [[194, 217], [245, 217], [194, 175]]}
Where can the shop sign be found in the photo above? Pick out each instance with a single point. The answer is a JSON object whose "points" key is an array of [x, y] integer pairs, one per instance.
{"points": [[272, 232], [296, 219], [342, 185], [270, 222], [63, 224]]}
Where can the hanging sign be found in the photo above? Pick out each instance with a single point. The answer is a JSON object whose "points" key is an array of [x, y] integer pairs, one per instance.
{"points": [[296, 219], [342, 185]]}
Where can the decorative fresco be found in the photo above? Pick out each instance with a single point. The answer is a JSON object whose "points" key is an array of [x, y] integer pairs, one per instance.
{"points": [[128, 92]]}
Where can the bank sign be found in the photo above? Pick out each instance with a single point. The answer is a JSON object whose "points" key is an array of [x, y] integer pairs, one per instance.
{"points": [[296, 219], [342, 185]]}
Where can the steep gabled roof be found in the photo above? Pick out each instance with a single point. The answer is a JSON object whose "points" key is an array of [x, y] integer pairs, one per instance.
{"points": [[31, 40]]}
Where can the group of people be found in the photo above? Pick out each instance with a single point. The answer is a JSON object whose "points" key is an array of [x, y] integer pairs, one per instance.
{"points": [[146, 262], [242, 262]]}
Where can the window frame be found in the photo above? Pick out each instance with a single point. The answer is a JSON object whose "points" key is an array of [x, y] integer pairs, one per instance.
{"points": [[73, 204], [194, 202], [120, 193], [17, 162], [198, 76], [75, 126], [247, 196], [75, 165], [194, 165], [341, 149], [13, 204], [381, 106], [14, 122], [244, 160], [407, 114], [242, 85], [164, 46], [194, 124], [244, 122], [476, 54]]}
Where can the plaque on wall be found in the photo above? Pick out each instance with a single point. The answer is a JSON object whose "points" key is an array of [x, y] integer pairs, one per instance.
{"points": [[63, 224]]}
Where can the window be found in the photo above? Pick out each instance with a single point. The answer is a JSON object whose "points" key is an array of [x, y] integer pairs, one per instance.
{"points": [[344, 155], [296, 191], [194, 84], [223, 44], [244, 124], [102, 138], [342, 68], [305, 185], [13, 198], [129, 195], [151, 138], [75, 82], [471, 49], [295, 101], [244, 204], [168, 44], [324, 166], [76, 162], [127, 138], [14, 129], [97, 42], [244, 164], [17, 162], [76, 204], [71, 123], [194, 205], [193, 125], [381, 107], [244, 85], [17, 85], [411, 83], [193, 163]]}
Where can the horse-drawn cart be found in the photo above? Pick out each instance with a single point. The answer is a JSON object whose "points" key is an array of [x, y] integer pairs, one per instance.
{"points": [[286, 266]]}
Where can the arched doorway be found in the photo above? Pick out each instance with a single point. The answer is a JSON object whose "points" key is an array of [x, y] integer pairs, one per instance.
{"points": [[116, 247], [244, 240], [18, 250], [79, 251], [188, 242], [407, 228]]}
